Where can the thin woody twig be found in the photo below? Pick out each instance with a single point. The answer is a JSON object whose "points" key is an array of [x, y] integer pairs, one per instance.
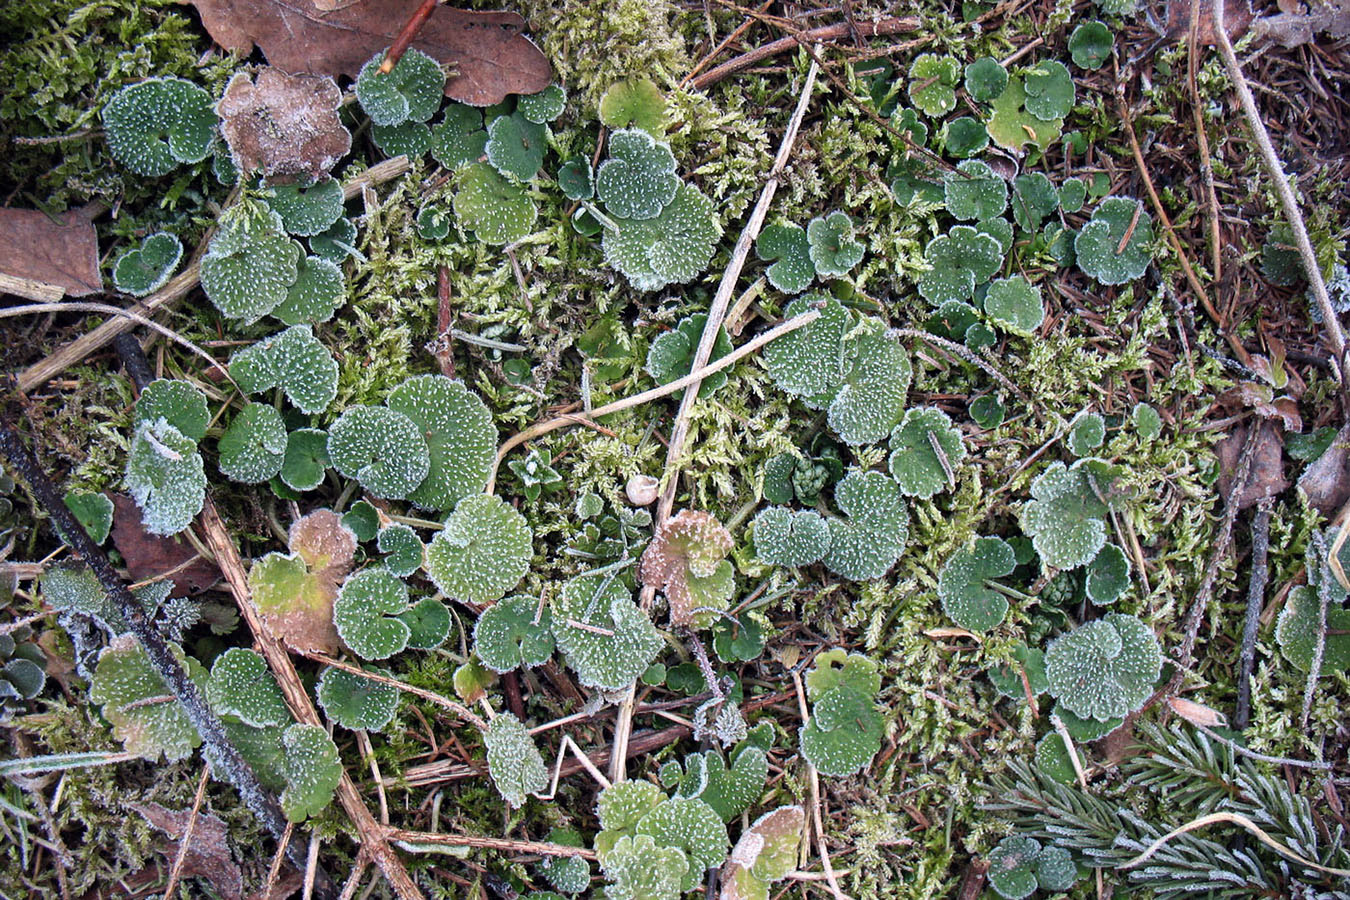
{"points": [[176, 871], [1256, 592]]}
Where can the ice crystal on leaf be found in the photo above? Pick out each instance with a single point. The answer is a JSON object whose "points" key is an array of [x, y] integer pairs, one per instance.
{"points": [[831, 246], [844, 731], [985, 79], [691, 826], [810, 360], [403, 549], [1019, 865], [638, 868], [242, 686], [459, 138], [606, 639], [1050, 90], [687, 560], [672, 248], [1107, 576], [293, 360], [963, 583], [514, 632], [1296, 632], [787, 538], [159, 123], [428, 624], [925, 447], [355, 702], [867, 543], [765, 853], [973, 191], [250, 264], [1064, 518], [312, 770], [366, 613], [482, 552], [381, 448], [165, 476], [1114, 247], [870, 399], [787, 247], [575, 178], [932, 83], [180, 403], [411, 92], [1014, 304], [634, 103], [543, 107], [958, 261], [307, 209], [93, 511], [1034, 198], [254, 445], [1105, 668], [306, 460], [145, 715], [492, 207], [516, 146], [460, 437], [513, 760], [143, 270]]}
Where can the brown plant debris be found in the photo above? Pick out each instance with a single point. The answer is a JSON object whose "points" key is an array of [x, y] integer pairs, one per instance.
{"points": [[1266, 478], [55, 255], [1298, 23], [208, 855], [151, 557], [284, 124], [1237, 18], [685, 554], [488, 52]]}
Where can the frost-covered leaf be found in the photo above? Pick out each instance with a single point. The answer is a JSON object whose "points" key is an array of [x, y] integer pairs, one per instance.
{"points": [[254, 445], [1014, 304], [492, 207], [671, 355], [1064, 518], [693, 827], [958, 261], [1012, 867], [1114, 247], [410, 139], [1087, 434], [1012, 127], [844, 732], [312, 770], [294, 593], [1296, 632], [1105, 668], [870, 400], [381, 448], [765, 853], [623, 804], [1007, 678], [318, 291], [363, 519], [569, 874], [831, 246], [729, 792], [1072, 194], [974, 191], [514, 632], [687, 560], [180, 403], [1000, 230], [516, 146], [985, 79], [1050, 90], [293, 360], [93, 511], [411, 92], [355, 702], [576, 179], [962, 583], [674, 247], [335, 244], [460, 437], [242, 686], [402, 548], [836, 667], [250, 264], [787, 538], [145, 715], [739, 638], [158, 123], [964, 137], [545, 106], [1147, 423], [606, 639], [920, 444], [433, 224], [787, 247], [428, 624], [638, 868], [283, 124], [306, 459], [513, 760], [165, 477], [144, 269], [366, 613], [482, 552], [810, 360], [1033, 199], [1107, 576], [635, 102], [307, 209], [1052, 759], [932, 83], [459, 138], [866, 544], [638, 180]]}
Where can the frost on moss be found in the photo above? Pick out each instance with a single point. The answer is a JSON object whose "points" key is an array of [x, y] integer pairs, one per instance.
{"points": [[638, 180], [845, 728], [145, 715], [180, 403], [411, 92], [355, 702], [869, 541], [1104, 669], [495, 209], [1064, 518], [974, 191], [159, 123], [293, 360], [831, 246], [513, 760], [165, 477], [787, 247], [460, 437], [787, 538], [250, 264], [242, 686], [672, 248], [144, 269], [366, 613], [254, 445], [482, 552], [925, 450], [294, 593], [516, 146], [606, 639], [512, 633], [1114, 247], [671, 355], [312, 770], [963, 583], [765, 853], [687, 560], [958, 261], [381, 448]]}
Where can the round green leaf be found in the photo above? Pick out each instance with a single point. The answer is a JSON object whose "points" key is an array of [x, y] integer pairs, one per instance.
{"points": [[963, 583], [381, 448], [411, 92], [366, 613], [482, 552], [158, 123], [1090, 45], [253, 447], [1015, 305], [143, 270], [514, 632], [919, 445], [985, 79], [1104, 669], [355, 702]]}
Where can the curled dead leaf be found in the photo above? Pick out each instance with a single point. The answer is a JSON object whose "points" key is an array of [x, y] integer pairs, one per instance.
{"points": [[1266, 476], [150, 556], [283, 124], [1237, 17], [208, 854], [1326, 481]]}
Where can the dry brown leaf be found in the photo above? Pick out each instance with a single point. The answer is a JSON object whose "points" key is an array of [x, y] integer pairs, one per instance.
{"points": [[55, 255], [148, 556], [1266, 476], [1237, 17], [488, 52], [1326, 481], [1197, 713], [1299, 23], [683, 558], [283, 124], [295, 594], [208, 853]]}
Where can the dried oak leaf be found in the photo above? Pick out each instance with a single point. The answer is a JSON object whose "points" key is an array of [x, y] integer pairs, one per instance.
{"points": [[1266, 476], [149, 556], [1237, 18], [283, 124], [58, 255], [1326, 481], [208, 854], [488, 51]]}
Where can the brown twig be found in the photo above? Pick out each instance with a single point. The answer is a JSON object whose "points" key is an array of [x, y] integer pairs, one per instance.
{"points": [[176, 871], [403, 40], [506, 845], [824, 34], [1202, 141]]}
